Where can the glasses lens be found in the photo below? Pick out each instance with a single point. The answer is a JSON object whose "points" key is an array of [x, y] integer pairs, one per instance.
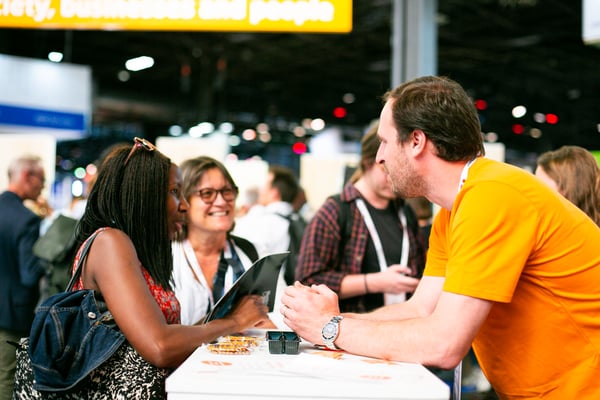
{"points": [[228, 194], [207, 195]]}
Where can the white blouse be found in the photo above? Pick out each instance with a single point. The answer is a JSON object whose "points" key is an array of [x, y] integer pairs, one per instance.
{"points": [[195, 295]]}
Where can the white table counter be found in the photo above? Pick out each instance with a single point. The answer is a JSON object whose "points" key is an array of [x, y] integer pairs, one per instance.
{"points": [[312, 374]]}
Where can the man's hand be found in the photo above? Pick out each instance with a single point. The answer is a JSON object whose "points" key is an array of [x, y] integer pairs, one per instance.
{"points": [[307, 309], [395, 279]]}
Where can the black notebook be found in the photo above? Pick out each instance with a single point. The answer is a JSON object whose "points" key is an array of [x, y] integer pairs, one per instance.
{"points": [[261, 278]]}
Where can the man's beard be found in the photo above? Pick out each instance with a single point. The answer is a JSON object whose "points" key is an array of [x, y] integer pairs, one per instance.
{"points": [[408, 185]]}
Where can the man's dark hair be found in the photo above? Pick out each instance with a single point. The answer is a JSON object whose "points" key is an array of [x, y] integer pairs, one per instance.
{"points": [[285, 182], [132, 197], [440, 108]]}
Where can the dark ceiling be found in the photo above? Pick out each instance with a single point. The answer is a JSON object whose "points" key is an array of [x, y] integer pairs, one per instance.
{"points": [[507, 52]]}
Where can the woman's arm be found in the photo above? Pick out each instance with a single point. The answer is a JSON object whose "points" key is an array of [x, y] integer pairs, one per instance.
{"points": [[113, 268]]}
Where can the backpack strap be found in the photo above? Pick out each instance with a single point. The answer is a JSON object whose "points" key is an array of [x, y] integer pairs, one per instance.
{"points": [[246, 246], [289, 267]]}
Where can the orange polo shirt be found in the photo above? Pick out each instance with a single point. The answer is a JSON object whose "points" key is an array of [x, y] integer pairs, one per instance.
{"points": [[512, 240]]}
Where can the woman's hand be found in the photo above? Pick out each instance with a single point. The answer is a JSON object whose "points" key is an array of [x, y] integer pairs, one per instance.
{"points": [[250, 312]]}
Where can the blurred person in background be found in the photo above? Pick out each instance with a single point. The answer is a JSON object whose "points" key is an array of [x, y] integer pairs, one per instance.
{"points": [[365, 243], [20, 270], [248, 200], [301, 205], [267, 223], [574, 173], [424, 211], [207, 258]]}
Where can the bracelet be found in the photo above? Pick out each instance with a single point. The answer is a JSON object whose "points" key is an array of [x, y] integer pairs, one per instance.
{"points": [[365, 280]]}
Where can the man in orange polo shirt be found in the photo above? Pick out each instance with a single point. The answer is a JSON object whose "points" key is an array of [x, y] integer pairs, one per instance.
{"points": [[513, 268]]}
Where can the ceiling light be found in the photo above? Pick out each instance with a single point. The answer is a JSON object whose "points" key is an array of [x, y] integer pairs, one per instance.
{"points": [[491, 137], [249, 134], [139, 63], [55, 56], [519, 111], [535, 133], [299, 131], [226, 127], [175, 130], [77, 188], [234, 141], [262, 128], [203, 128], [264, 137], [317, 124], [123, 76], [540, 118]]}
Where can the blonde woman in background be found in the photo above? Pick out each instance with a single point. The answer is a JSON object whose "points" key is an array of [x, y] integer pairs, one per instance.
{"points": [[573, 172]]}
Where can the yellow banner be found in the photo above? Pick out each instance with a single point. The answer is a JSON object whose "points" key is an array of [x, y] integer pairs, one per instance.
{"points": [[334, 16]]}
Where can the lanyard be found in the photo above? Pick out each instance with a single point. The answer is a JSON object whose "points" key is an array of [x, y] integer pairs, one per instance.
{"points": [[465, 173], [362, 207], [229, 259], [198, 274]]}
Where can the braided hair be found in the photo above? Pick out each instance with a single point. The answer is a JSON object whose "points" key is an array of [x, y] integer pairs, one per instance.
{"points": [[130, 194]]}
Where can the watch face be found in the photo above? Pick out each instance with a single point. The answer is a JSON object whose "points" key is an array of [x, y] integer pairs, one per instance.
{"points": [[329, 330]]}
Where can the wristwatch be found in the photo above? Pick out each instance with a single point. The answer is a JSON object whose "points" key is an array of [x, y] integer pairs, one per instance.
{"points": [[330, 332]]}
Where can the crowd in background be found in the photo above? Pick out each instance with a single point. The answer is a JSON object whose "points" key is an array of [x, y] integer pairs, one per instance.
{"points": [[366, 243]]}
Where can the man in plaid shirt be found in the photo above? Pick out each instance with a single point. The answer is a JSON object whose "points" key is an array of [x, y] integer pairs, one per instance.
{"points": [[364, 243]]}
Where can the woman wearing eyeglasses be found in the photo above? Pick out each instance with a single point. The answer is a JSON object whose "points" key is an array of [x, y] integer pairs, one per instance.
{"points": [[207, 259]]}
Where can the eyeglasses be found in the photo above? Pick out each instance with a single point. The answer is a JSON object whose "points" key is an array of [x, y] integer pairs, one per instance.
{"points": [[209, 195], [137, 143]]}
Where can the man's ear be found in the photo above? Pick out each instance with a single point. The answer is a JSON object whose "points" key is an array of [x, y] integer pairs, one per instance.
{"points": [[418, 140]]}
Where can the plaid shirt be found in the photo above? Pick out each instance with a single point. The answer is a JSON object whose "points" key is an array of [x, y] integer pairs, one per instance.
{"points": [[323, 261]]}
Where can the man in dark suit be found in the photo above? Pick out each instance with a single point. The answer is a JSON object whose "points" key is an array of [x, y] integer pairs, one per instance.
{"points": [[20, 270]]}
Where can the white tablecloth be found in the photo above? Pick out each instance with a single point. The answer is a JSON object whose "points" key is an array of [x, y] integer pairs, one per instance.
{"points": [[312, 374]]}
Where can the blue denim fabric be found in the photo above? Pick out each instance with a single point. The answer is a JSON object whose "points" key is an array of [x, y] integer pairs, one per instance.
{"points": [[72, 333]]}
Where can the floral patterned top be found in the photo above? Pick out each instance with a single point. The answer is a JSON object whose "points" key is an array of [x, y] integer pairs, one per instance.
{"points": [[166, 300]]}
